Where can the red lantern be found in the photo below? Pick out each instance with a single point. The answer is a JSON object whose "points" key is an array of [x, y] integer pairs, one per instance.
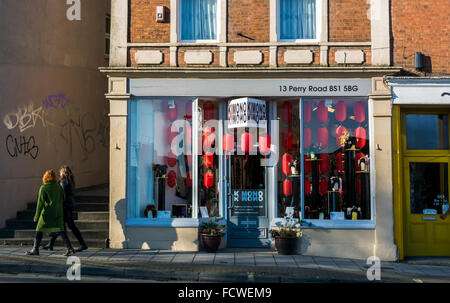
{"points": [[171, 159], [341, 111], [246, 142], [323, 186], [307, 187], [358, 186], [307, 165], [339, 163], [188, 179], [228, 142], [171, 178], [208, 159], [188, 111], [208, 111], [286, 160], [264, 143], [360, 134], [287, 138], [307, 137], [286, 112], [208, 136], [287, 187], [306, 112], [172, 111], [322, 112], [359, 111], [208, 179], [323, 163], [171, 134], [341, 132], [322, 137], [358, 156]]}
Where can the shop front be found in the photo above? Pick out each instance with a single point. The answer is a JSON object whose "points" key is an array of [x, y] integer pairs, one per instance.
{"points": [[251, 151]]}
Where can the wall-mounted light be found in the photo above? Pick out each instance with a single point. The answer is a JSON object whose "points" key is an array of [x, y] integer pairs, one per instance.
{"points": [[418, 61]]}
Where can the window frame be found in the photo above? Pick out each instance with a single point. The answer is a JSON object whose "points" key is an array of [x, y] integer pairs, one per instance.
{"points": [[319, 16], [218, 23]]}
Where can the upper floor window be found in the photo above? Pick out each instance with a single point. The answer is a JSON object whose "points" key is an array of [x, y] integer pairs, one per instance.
{"points": [[198, 20], [297, 19]]}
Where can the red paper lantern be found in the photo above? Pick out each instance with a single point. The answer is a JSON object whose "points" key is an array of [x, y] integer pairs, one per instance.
{"points": [[339, 163], [208, 136], [228, 142], [189, 110], [172, 112], [360, 134], [171, 178], [323, 163], [322, 112], [307, 187], [287, 137], [286, 112], [307, 112], [208, 111], [171, 159], [264, 143], [307, 165], [358, 156], [285, 161], [188, 179], [287, 187], [208, 159], [322, 137], [246, 142], [208, 179], [359, 111], [341, 132], [323, 186], [307, 137], [358, 186], [341, 111], [171, 134]]}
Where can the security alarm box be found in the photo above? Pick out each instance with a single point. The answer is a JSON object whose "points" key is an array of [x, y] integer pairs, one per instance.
{"points": [[160, 14]]}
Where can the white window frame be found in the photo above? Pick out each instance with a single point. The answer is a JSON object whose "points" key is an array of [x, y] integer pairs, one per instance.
{"points": [[319, 16], [218, 23]]}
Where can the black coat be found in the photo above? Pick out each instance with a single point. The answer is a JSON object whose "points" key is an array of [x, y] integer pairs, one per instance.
{"points": [[69, 201]]}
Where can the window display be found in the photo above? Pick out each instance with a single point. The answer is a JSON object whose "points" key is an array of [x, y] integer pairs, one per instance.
{"points": [[160, 153], [336, 159]]}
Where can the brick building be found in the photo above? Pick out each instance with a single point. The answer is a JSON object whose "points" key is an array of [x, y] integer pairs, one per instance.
{"points": [[185, 79]]}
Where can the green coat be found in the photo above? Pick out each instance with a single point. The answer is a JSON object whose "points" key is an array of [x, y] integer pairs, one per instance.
{"points": [[49, 209]]}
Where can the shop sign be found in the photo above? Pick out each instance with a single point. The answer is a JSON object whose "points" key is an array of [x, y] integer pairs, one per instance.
{"points": [[249, 202], [246, 112]]}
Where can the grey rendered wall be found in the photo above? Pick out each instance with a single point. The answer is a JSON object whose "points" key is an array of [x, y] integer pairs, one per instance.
{"points": [[51, 97]]}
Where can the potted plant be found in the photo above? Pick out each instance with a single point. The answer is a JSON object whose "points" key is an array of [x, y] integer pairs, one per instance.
{"points": [[212, 233], [286, 235]]}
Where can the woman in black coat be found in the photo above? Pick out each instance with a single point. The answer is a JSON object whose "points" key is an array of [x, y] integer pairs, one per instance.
{"points": [[67, 182]]}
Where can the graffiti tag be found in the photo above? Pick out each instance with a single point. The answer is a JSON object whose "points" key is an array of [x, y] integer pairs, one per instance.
{"points": [[24, 118], [23, 146], [55, 101], [80, 128]]}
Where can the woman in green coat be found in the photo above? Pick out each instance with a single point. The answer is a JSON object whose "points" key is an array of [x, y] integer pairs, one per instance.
{"points": [[49, 212]]}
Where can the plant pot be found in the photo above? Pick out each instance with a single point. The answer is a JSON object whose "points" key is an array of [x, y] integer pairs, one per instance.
{"points": [[211, 243], [286, 246]]}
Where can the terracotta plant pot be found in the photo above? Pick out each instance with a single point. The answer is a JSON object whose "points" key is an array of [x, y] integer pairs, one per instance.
{"points": [[211, 243], [286, 246]]}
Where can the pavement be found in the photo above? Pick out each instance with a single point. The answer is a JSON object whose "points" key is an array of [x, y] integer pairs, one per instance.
{"points": [[227, 265]]}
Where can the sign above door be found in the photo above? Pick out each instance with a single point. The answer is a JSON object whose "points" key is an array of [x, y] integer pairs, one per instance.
{"points": [[246, 112]]}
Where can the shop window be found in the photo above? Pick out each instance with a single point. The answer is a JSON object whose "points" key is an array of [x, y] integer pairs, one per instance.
{"points": [[198, 20], [297, 19], [426, 131], [159, 151], [208, 159], [336, 159], [289, 157]]}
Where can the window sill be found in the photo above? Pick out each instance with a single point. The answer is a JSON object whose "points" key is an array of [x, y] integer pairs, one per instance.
{"points": [[333, 224], [167, 222]]}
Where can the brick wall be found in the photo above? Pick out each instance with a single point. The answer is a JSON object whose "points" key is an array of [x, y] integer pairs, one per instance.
{"points": [[143, 27], [348, 21], [421, 26], [249, 17]]}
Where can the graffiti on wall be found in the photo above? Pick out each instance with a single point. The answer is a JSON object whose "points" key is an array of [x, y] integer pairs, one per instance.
{"points": [[25, 117], [22, 146], [55, 101]]}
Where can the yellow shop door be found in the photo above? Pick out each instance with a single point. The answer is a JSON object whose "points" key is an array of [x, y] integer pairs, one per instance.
{"points": [[426, 183]]}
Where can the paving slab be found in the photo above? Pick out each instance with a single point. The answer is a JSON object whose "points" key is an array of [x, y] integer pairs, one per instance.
{"points": [[267, 260], [244, 259], [204, 258], [224, 259], [285, 261], [183, 258], [163, 257], [144, 255]]}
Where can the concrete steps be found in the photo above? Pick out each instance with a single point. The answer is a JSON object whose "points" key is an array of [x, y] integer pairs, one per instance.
{"points": [[91, 217]]}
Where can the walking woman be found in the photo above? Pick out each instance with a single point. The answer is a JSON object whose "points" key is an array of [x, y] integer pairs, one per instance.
{"points": [[67, 182], [49, 212]]}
